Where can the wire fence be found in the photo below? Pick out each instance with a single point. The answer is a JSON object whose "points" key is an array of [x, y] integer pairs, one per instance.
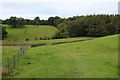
{"points": [[12, 62]]}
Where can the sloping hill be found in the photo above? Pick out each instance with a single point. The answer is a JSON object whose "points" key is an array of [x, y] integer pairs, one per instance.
{"points": [[97, 58], [30, 32]]}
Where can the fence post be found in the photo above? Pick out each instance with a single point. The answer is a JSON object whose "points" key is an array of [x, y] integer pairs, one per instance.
{"points": [[14, 61], [23, 49], [18, 58], [20, 50], [8, 64]]}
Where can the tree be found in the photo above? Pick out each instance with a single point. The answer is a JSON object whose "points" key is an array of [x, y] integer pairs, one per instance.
{"points": [[118, 26], [62, 32], [20, 22], [51, 21], [93, 25], [54, 21], [57, 21], [37, 21], [44, 22], [3, 32], [28, 22], [76, 28], [112, 28], [15, 22]]}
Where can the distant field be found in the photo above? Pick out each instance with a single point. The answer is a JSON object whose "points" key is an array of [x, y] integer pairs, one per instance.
{"points": [[97, 58], [46, 41], [34, 33], [30, 32]]}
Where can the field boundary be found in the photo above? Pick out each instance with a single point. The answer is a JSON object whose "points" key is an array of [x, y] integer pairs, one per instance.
{"points": [[44, 44], [60, 42], [12, 62]]}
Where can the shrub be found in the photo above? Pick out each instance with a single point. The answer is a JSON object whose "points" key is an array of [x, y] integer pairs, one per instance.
{"points": [[27, 39], [4, 32], [62, 32]]}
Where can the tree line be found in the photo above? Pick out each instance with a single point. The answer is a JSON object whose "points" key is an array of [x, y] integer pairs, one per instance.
{"points": [[89, 26], [15, 22], [93, 25], [76, 26]]}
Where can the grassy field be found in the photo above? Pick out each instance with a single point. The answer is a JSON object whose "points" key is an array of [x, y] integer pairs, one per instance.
{"points": [[9, 51], [33, 33], [97, 58], [30, 32]]}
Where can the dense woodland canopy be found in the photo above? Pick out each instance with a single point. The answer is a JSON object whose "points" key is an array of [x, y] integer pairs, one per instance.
{"points": [[77, 26]]}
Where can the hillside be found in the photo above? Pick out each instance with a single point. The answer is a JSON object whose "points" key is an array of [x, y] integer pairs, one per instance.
{"points": [[35, 34], [97, 58], [30, 32]]}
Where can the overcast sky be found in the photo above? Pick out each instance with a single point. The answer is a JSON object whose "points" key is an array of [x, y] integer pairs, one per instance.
{"points": [[63, 8]]}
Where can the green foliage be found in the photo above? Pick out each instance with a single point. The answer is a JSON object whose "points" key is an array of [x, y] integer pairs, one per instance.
{"points": [[51, 20], [44, 22], [111, 28], [28, 22], [118, 26], [21, 22], [93, 25], [15, 22], [76, 26], [57, 21], [37, 21], [3, 31], [62, 32], [54, 21]]}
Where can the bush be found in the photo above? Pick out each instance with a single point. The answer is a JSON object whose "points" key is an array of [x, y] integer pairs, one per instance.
{"points": [[4, 32], [27, 39], [62, 32]]}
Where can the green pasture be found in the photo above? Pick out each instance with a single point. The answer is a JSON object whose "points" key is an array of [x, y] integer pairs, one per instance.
{"points": [[97, 58], [31, 32]]}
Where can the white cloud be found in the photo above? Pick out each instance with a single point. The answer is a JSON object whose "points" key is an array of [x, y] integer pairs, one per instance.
{"points": [[63, 8]]}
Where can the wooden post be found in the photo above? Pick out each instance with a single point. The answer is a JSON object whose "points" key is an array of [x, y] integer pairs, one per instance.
{"points": [[20, 50], [14, 61], [18, 58], [8, 64]]}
